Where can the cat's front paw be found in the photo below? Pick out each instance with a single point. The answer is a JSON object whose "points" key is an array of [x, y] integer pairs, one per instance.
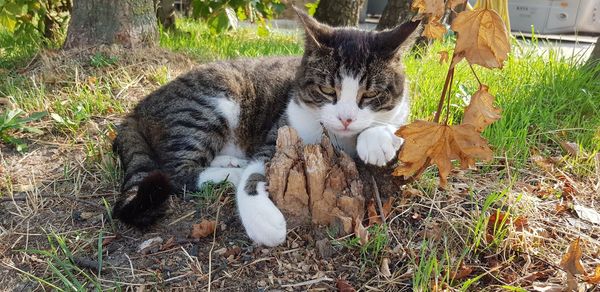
{"points": [[377, 146], [263, 221]]}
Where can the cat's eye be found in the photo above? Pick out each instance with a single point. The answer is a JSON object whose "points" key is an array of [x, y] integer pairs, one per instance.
{"points": [[327, 90], [370, 94]]}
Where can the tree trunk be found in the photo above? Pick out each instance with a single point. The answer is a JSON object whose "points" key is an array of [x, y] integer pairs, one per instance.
{"points": [[339, 12], [395, 12], [595, 56], [165, 12], [130, 23]]}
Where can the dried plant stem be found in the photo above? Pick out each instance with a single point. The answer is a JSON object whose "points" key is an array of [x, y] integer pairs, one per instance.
{"points": [[448, 99], [212, 247], [378, 198], [447, 83], [476, 77], [436, 119]]}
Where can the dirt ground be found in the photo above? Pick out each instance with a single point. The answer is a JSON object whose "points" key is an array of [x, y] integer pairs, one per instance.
{"points": [[435, 239]]}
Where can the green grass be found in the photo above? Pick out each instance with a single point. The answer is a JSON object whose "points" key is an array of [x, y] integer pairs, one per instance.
{"points": [[373, 249], [65, 275], [195, 39], [17, 50], [544, 99]]}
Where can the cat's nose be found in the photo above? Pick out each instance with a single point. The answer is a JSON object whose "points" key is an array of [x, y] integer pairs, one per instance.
{"points": [[345, 122]]}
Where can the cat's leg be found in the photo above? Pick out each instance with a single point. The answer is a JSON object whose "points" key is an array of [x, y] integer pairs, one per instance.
{"points": [[263, 221], [378, 145]]}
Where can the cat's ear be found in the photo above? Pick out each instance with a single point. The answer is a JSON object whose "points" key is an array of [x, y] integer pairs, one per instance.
{"points": [[317, 34], [402, 36]]}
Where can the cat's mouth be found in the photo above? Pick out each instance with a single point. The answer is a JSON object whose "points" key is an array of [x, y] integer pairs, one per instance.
{"points": [[344, 132]]}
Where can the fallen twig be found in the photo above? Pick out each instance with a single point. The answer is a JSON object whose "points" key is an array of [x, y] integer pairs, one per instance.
{"points": [[309, 282], [378, 199]]}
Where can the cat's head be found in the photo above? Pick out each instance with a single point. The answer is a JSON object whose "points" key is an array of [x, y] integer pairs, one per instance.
{"points": [[351, 79]]}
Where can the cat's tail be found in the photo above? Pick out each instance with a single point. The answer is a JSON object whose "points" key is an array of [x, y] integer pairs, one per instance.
{"points": [[145, 187]]}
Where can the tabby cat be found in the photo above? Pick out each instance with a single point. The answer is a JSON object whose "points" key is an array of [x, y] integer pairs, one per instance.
{"points": [[220, 121]]}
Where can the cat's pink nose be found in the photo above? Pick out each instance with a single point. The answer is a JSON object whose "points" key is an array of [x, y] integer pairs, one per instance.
{"points": [[345, 122]]}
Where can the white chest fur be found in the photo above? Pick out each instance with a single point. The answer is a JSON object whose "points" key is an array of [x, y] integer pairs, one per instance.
{"points": [[309, 128]]}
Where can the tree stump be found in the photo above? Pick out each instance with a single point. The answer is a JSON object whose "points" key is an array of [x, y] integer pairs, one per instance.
{"points": [[315, 183]]}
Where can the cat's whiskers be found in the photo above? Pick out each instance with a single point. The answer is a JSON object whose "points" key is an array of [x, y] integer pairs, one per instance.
{"points": [[383, 123]]}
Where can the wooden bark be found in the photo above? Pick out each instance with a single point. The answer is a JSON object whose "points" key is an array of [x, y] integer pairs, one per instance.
{"points": [[165, 12], [339, 12], [315, 183], [129, 23], [394, 13]]}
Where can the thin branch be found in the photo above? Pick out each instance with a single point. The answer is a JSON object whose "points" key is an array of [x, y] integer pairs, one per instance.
{"points": [[448, 99], [476, 77], [212, 247], [378, 199], [25, 198], [436, 118]]}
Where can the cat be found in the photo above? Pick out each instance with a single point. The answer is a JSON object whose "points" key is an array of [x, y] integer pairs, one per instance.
{"points": [[220, 120]]}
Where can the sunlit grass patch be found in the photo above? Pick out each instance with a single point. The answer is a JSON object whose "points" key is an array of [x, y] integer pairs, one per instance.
{"points": [[544, 99], [195, 39]]}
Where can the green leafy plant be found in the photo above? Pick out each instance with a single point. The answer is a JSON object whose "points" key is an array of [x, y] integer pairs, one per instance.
{"points": [[65, 274], [100, 60], [12, 121], [28, 17], [222, 15], [311, 8]]}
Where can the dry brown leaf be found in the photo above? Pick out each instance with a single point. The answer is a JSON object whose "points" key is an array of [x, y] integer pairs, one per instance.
{"points": [[520, 223], [571, 263], [443, 57], [387, 207], [411, 192], [441, 144], [542, 162], [203, 229], [571, 147], [482, 38], [374, 218], [498, 218], [171, 243], [461, 273], [111, 134], [431, 8], [453, 3], [595, 278], [107, 240], [561, 208], [481, 111], [434, 29], [360, 231], [344, 286]]}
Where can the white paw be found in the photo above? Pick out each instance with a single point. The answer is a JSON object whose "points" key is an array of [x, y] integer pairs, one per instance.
{"points": [[219, 174], [228, 161], [377, 146], [263, 221]]}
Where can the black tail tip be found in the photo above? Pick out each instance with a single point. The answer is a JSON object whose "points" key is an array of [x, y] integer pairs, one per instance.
{"points": [[148, 205]]}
